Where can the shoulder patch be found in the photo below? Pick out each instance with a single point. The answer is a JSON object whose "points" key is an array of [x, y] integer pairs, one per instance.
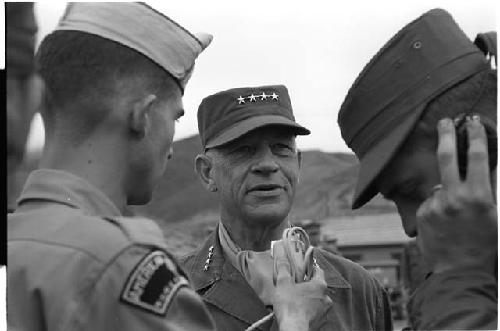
{"points": [[153, 283]]}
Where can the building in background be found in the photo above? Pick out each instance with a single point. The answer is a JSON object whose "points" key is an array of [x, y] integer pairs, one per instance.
{"points": [[379, 244]]}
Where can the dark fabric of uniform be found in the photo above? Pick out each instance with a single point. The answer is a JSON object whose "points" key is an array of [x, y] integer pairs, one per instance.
{"points": [[455, 300], [359, 301], [68, 266], [20, 31]]}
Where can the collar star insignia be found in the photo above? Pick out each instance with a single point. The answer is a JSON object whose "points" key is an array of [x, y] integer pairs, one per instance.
{"points": [[263, 96], [274, 96], [240, 100], [252, 98]]}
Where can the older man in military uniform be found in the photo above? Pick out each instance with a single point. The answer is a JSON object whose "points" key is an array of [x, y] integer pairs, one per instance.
{"points": [[421, 117], [251, 162], [113, 74]]}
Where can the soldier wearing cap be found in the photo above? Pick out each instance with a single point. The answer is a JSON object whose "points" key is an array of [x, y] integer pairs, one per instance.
{"points": [[114, 75], [421, 117], [251, 162]]}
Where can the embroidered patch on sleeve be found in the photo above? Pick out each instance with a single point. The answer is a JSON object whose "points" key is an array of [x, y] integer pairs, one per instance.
{"points": [[153, 283]]}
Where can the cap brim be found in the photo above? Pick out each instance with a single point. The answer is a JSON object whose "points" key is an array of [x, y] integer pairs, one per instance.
{"points": [[375, 160], [252, 123]]}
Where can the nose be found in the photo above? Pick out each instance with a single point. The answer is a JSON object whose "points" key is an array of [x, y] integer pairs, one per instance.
{"points": [[266, 163], [408, 213]]}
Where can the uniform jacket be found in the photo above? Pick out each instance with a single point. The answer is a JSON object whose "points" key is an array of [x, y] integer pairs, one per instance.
{"points": [[359, 301], [71, 269], [455, 300]]}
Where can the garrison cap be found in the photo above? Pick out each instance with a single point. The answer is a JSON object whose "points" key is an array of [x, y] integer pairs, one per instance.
{"points": [[230, 114], [425, 58], [141, 28]]}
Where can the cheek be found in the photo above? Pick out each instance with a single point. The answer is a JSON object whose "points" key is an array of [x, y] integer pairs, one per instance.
{"points": [[291, 172], [230, 181], [166, 131]]}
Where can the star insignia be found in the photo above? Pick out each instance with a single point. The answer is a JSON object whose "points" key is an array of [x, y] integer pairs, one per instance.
{"points": [[241, 100], [252, 98], [274, 96], [263, 96]]}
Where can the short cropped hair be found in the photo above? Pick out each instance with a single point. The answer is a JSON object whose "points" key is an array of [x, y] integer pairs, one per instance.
{"points": [[82, 72]]}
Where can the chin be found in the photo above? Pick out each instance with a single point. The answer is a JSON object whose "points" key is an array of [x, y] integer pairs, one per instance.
{"points": [[266, 215], [410, 231], [139, 199]]}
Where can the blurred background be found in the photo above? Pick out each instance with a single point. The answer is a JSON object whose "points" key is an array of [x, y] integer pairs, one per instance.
{"points": [[316, 49]]}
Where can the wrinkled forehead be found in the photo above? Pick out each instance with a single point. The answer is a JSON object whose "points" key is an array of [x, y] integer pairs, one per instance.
{"points": [[265, 133]]}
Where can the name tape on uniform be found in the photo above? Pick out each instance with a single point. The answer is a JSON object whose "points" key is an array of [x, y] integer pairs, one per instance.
{"points": [[153, 283]]}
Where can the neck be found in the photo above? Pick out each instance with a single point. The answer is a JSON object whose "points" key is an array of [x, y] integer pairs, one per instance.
{"points": [[94, 160], [252, 236]]}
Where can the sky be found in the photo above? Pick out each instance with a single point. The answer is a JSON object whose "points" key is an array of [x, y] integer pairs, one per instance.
{"points": [[315, 48]]}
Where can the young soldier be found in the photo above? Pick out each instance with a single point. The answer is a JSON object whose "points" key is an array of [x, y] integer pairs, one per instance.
{"points": [[428, 88]]}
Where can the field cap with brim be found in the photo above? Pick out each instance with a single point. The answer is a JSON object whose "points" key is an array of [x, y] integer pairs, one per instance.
{"points": [[425, 58], [141, 28], [230, 114]]}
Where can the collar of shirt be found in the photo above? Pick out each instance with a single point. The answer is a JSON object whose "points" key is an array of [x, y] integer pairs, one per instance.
{"points": [[202, 278], [68, 189], [256, 267]]}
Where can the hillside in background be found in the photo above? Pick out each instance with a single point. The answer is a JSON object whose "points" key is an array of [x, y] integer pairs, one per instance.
{"points": [[186, 211], [325, 190]]}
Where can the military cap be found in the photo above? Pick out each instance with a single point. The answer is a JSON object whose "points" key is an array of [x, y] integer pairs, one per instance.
{"points": [[141, 28], [228, 115], [20, 30], [425, 58]]}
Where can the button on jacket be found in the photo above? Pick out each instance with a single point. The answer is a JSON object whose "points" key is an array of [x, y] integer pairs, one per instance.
{"points": [[75, 264], [359, 301]]}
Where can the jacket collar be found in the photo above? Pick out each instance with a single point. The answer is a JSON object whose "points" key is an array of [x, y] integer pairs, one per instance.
{"points": [[228, 285], [68, 189]]}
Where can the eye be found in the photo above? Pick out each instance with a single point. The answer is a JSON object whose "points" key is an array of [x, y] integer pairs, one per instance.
{"points": [[283, 149], [409, 190], [242, 150]]}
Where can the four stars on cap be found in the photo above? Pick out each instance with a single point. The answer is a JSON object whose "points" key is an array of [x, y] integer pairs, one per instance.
{"points": [[253, 98]]}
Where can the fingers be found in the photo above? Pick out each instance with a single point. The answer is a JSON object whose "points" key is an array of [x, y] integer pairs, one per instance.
{"points": [[319, 275], [478, 170], [319, 279], [281, 265], [447, 153]]}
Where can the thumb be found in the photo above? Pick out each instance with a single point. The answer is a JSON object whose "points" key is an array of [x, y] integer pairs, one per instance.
{"points": [[282, 272], [318, 276]]}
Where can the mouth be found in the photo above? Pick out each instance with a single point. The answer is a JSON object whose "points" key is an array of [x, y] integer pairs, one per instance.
{"points": [[266, 190]]}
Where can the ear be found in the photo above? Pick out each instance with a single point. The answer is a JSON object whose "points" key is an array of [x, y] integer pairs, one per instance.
{"points": [[203, 167], [139, 119]]}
